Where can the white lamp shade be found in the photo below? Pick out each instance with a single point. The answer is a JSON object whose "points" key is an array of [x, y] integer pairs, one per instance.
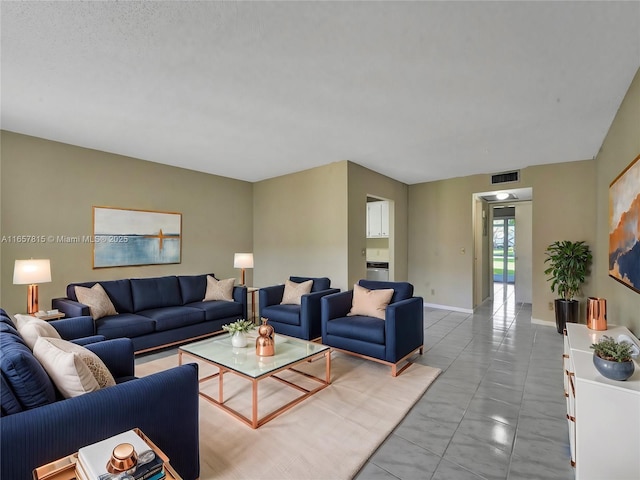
{"points": [[243, 260], [31, 271]]}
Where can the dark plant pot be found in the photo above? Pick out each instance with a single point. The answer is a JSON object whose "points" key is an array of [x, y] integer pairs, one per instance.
{"points": [[567, 311], [613, 370]]}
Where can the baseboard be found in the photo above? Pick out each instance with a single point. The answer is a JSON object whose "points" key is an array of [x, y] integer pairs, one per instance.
{"points": [[546, 323], [447, 307]]}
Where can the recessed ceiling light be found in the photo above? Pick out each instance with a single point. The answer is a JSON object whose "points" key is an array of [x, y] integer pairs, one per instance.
{"points": [[502, 195]]}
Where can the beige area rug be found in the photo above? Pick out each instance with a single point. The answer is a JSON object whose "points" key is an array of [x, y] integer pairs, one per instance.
{"points": [[328, 436]]}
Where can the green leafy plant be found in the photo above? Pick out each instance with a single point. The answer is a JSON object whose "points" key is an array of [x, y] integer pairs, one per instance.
{"points": [[609, 349], [568, 267], [239, 326]]}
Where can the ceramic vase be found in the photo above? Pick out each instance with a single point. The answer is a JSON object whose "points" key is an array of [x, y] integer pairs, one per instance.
{"points": [[613, 370], [265, 343], [239, 339]]}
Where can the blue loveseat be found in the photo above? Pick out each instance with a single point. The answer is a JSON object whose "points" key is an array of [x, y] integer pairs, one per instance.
{"points": [[38, 426], [160, 311]]}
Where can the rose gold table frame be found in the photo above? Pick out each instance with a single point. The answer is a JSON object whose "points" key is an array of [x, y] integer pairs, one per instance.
{"points": [[256, 422]]}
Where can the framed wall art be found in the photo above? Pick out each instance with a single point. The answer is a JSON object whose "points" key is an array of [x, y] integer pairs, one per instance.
{"points": [[624, 226], [127, 237]]}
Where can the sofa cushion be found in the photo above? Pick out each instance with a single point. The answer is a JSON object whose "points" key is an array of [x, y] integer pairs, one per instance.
{"points": [[125, 325], [97, 300], [289, 314], [293, 292], [73, 369], [28, 381], [119, 292], [218, 310], [193, 287], [168, 318], [219, 289], [4, 318], [319, 283], [401, 290], [157, 292], [9, 404], [9, 329], [32, 330], [366, 329]]}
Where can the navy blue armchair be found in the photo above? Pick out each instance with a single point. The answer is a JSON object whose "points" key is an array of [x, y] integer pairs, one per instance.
{"points": [[391, 341], [300, 321]]}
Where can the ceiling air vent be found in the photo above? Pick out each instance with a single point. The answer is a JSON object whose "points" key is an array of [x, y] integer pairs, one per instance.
{"points": [[506, 177]]}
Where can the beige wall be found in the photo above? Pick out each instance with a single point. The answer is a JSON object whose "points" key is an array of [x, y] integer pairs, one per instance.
{"points": [[440, 229], [362, 183], [300, 226], [620, 147], [49, 188]]}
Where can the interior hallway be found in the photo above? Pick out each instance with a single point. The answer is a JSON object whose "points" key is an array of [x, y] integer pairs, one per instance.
{"points": [[497, 411]]}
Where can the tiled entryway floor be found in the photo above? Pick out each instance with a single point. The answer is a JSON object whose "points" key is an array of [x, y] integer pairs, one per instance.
{"points": [[497, 411]]}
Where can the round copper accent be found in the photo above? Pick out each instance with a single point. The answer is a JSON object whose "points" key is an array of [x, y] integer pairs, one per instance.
{"points": [[123, 458]]}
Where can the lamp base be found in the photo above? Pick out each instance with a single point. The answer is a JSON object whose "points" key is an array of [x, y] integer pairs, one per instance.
{"points": [[32, 299]]}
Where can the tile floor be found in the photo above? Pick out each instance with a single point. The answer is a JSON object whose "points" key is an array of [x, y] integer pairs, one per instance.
{"points": [[497, 411]]}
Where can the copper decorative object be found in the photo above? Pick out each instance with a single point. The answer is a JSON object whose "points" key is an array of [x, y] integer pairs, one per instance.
{"points": [[596, 313], [123, 458], [265, 343]]}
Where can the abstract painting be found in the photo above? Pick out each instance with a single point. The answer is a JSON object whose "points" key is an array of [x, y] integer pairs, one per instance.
{"points": [[624, 227], [126, 237]]}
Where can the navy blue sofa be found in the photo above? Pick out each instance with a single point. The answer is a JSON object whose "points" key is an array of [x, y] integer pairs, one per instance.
{"points": [[300, 321], [38, 426], [390, 341], [157, 312]]}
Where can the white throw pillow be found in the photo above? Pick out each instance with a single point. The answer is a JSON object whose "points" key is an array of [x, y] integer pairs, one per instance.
{"points": [[73, 369], [371, 303], [219, 289], [33, 329], [293, 292], [97, 300], [21, 320]]}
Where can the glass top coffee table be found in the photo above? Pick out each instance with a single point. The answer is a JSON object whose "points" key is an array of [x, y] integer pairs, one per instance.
{"points": [[290, 352]]}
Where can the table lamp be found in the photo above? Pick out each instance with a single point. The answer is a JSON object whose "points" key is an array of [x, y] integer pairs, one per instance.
{"points": [[31, 272], [242, 261]]}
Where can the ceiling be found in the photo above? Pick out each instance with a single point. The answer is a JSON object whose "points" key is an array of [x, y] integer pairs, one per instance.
{"points": [[417, 91]]}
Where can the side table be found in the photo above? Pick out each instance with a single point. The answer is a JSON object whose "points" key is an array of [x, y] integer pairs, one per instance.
{"points": [[252, 291], [65, 468], [49, 316]]}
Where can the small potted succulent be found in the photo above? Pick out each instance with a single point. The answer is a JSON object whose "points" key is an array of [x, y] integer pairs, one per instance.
{"points": [[238, 331], [613, 359]]}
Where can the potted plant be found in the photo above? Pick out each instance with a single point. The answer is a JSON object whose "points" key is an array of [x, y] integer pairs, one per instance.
{"points": [[568, 267], [613, 359], [238, 331]]}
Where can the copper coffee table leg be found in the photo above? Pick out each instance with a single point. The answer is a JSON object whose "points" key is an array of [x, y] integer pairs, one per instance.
{"points": [[255, 404]]}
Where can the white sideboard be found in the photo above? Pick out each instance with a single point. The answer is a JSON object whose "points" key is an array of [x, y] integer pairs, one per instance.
{"points": [[603, 414]]}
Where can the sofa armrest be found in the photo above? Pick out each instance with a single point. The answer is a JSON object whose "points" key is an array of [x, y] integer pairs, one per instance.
{"points": [[70, 308], [117, 355], [268, 296], [404, 327], [88, 340], [240, 296], [74, 328], [310, 311], [38, 436]]}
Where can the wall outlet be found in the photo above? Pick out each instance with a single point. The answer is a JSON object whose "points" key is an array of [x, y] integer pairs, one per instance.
{"points": [[551, 306]]}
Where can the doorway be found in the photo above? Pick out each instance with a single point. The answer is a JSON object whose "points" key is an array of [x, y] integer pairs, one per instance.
{"points": [[504, 234]]}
